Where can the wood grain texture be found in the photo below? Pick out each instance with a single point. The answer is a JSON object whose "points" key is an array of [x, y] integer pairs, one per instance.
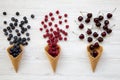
{"points": [[73, 63]]}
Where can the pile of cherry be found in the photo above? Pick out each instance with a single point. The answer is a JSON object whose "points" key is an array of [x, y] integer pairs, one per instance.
{"points": [[16, 32], [53, 26], [100, 23]]}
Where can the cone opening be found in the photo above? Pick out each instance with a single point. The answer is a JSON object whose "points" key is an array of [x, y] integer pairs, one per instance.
{"points": [[94, 52], [14, 51], [53, 51]]}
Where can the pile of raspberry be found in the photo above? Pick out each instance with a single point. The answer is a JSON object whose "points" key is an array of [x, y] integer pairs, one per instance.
{"points": [[54, 26]]}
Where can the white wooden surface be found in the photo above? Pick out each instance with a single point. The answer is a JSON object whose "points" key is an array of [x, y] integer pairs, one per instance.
{"points": [[73, 63]]}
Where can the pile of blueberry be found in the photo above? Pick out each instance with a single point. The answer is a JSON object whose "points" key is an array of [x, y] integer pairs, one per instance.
{"points": [[54, 25], [15, 50], [100, 23], [16, 31]]}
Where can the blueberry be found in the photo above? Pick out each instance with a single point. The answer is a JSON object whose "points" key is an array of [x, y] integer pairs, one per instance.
{"points": [[4, 13], [28, 39], [6, 33], [27, 34], [8, 38], [12, 19], [11, 24], [17, 31], [32, 16], [8, 28], [5, 22], [15, 24], [23, 39], [16, 20], [28, 26], [4, 30], [18, 34], [25, 18], [10, 35], [17, 13]]}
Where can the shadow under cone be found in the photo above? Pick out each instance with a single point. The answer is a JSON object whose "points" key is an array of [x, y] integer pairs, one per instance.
{"points": [[94, 60], [15, 60], [53, 60]]}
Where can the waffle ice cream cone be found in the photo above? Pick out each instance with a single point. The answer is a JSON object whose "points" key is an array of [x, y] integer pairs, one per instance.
{"points": [[53, 60], [94, 60], [15, 60]]}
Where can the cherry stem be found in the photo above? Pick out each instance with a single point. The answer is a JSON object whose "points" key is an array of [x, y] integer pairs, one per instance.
{"points": [[81, 13], [76, 22], [112, 26], [74, 33], [114, 10]]}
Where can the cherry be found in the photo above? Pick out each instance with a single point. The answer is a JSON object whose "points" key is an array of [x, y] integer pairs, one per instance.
{"points": [[60, 22], [59, 17], [81, 36], [95, 34], [46, 19], [87, 20], [65, 20], [96, 20], [55, 25], [89, 39], [51, 29], [47, 30], [89, 15], [106, 22], [100, 39], [105, 27], [94, 53], [45, 26], [96, 45], [42, 22], [65, 39], [46, 16], [41, 29], [109, 15], [91, 47], [50, 23], [81, 26], [67, 26], [103, 34], [80, 18], [109, 31], [98, 24], [57, 12], [100, 17], [65, 15], [89, 32], [52, 18], [50, 14]]}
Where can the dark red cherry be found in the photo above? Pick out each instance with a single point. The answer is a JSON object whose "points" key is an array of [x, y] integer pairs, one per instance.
{"points": [[106, 22], [91, 47], [100, 17], [89, 39], [81, 36], [89, 32], [96, 45], [94, 53], [95, 34], [100, 39], [98, 24], [81, 26], [87, 20], [109, 31], [80, 18], [109, 15], [89, 15], [103, 34]]}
